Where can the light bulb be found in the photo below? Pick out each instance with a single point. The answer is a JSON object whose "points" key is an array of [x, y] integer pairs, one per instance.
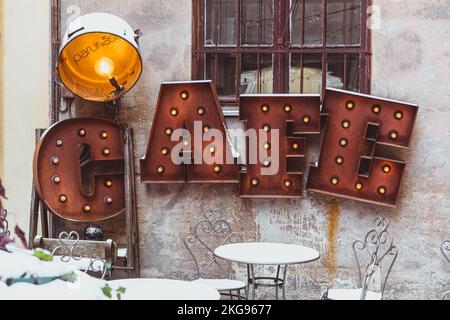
{"points": [[104, 67]]}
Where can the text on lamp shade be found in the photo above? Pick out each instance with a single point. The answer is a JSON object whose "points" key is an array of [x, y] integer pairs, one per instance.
{"points": [[357, 127], [78, 169]]}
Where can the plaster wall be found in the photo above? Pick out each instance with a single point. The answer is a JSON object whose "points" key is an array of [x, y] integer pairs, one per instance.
{"points": [[24, 100]]}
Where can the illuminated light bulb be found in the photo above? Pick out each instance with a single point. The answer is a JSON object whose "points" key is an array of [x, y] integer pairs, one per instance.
{"points": [[201, 111], [306, 119], [82, 132], [266, 146], [108, 183], [56, 179], [254, 182], [106, 152], [359, 186], [382, 190], [217, 169], [287, 183], [165, 151], [265, 108], [387, 169], [59, 143], [346, 124], [108, 200], [186, 143], [174, 112], [334, 181], [168, 131], [160, 169], [266, 128], [212, 149], [350, 105], [104, 135], [343, 142], [184, 95], [287, 108], [63, 198], [266, 163], [376, 109], [87, 208], [206, 129], [55, 160], [105, 67], [393, 135], [399, 115], [339, 160]]}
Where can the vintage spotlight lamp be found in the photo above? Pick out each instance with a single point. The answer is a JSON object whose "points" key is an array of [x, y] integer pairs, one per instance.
{"points": [[99, 58]]}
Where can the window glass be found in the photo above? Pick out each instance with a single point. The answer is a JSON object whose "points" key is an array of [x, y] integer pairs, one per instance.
{"points": [[313, 22], [256, 77], [312, 73]]}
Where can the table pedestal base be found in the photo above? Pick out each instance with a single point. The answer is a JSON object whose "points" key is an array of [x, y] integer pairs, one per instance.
{"points": [[267, 282]]}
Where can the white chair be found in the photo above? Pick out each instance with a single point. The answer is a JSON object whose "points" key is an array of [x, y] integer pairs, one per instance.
{"points": [[377, 247], [210, 230], [445, 249]]}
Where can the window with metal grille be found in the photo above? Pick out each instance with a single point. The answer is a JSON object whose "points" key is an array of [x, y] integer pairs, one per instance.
{"points": [[281, 46]]}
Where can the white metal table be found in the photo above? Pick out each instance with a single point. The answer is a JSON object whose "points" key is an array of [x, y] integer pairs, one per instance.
{"points": [[267, 254], [162, 289]]}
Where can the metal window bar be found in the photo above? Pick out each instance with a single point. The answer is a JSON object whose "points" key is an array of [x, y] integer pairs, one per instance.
{"points": [[363, 48]]}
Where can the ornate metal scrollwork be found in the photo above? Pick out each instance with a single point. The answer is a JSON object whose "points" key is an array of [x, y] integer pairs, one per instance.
{"points": [[4, 225], [378, 244], [212, 225], [445, 249], [69, 242]]}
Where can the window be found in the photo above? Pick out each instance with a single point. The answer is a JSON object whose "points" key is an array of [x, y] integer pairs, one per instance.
{"points": [[281, 46]]}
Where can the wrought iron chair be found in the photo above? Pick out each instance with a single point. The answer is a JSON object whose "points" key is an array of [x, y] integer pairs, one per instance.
{"points": [[95, 257], [378, 246], [218, 231], [445, 249]]}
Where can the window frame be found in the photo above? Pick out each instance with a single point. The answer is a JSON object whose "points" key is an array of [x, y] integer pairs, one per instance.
{"points": [[281, 48]]}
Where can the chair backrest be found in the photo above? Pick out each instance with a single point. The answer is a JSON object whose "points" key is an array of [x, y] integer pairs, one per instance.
{"points": [[208, 234], [445, 249], [100, 255], [377, 248]]}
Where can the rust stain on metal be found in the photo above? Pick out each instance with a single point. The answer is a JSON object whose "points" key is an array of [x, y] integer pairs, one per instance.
{"points": [[350, 164], [78, 169], [332, 236]]}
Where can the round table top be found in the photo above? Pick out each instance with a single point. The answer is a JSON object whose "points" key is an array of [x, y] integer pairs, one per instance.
{"points": [[267, 253], [162, 289]]}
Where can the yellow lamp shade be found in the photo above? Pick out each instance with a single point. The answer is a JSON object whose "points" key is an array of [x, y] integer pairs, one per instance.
{"points": [[99, 59]]}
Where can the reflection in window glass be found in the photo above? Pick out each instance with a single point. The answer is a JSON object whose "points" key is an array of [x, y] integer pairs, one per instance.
{"points": [[256, 22], [353, 21], [295, 73], [313, 22], [267, 22], [335, 71], [352, 66], [335, 22], [210, 22], [312, 73], [227, 25], [296, 22], [256, 78], [220, 24], [222, 69]]}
